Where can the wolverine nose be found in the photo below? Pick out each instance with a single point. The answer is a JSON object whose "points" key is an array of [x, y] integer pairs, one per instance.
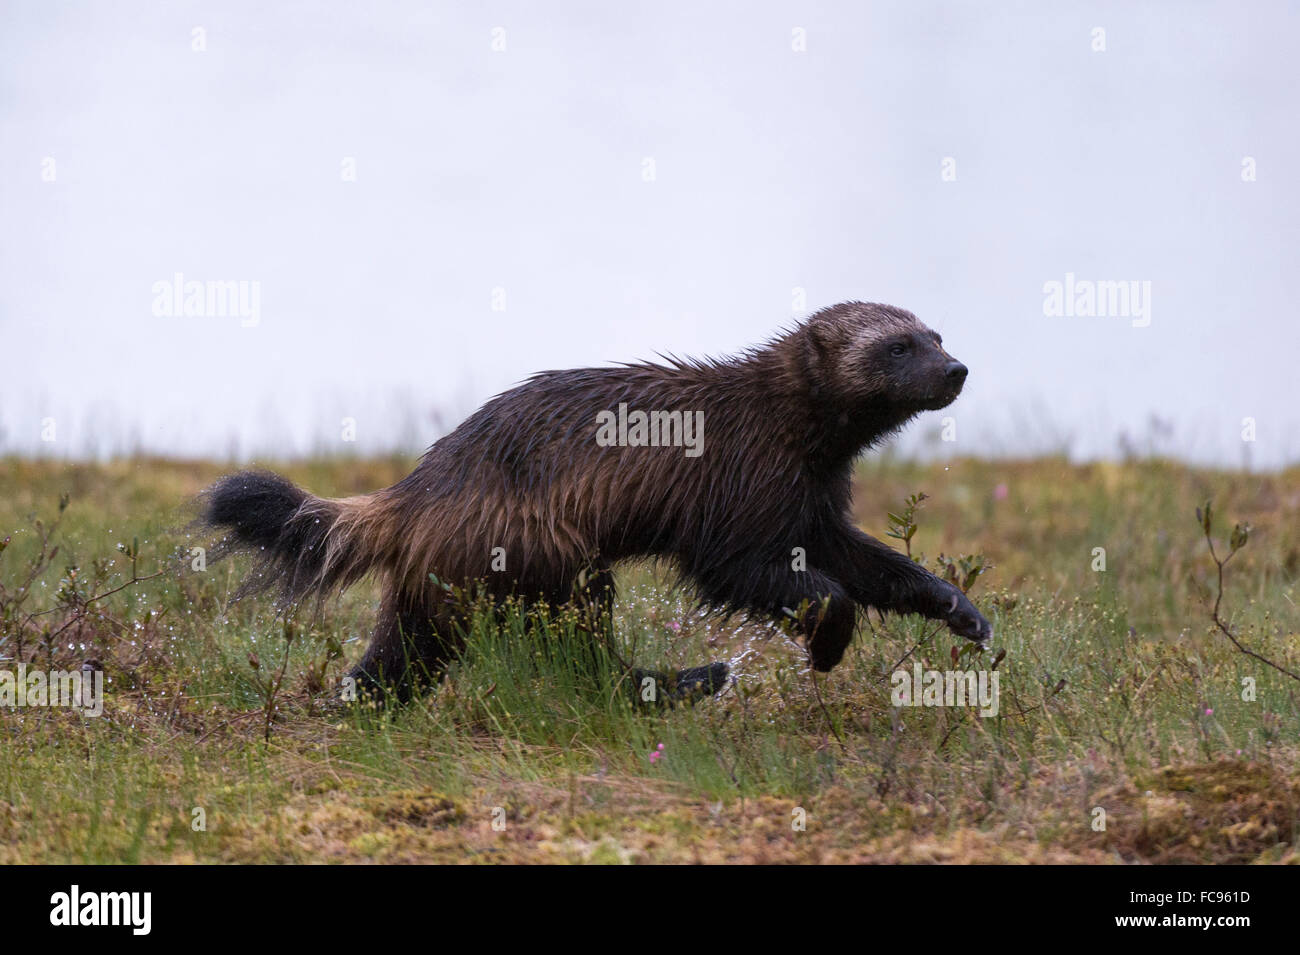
{"points": [[956, 372]]}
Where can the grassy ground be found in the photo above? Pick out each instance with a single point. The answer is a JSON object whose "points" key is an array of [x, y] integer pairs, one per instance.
{"points": [[1116, 694]]}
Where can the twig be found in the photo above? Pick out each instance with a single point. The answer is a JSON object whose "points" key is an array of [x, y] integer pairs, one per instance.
{"points": [[1239, 538], [822, 703], [817, 690], [274, 688], [903, 659]]}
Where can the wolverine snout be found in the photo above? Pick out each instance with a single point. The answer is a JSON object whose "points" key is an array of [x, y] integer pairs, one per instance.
{"points": [[955, 372]]}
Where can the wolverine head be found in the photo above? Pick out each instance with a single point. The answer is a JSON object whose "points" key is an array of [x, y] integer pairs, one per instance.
{"points": [[863, 353]]}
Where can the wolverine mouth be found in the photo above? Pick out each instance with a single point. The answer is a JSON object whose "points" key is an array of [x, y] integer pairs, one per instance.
{"points": [[954, 378], [940, 399]]}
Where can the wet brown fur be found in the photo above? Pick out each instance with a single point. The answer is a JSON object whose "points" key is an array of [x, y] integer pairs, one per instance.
{"points": [[782, 425]]}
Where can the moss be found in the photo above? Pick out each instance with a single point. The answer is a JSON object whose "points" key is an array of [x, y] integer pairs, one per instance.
{"points": [[423, 808]]}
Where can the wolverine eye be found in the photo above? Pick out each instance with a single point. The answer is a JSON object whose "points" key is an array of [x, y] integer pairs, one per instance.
{"points": [[898, 350]]}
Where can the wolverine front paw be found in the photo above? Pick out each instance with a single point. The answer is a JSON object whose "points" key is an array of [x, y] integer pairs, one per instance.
{"points": [[966, 621]]}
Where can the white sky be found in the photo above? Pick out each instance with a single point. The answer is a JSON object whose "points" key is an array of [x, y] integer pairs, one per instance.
{"points": [[523, 169]]}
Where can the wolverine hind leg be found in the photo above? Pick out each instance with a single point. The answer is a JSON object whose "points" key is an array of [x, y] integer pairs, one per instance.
{"points": [[595, 599], [411, 647]]}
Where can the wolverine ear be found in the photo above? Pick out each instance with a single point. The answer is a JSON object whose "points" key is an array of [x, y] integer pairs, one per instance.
{"points": [[816, 358], [817, 350]]}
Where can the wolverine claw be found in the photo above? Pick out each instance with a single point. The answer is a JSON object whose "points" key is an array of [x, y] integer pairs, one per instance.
{"points": [[965, 621]]}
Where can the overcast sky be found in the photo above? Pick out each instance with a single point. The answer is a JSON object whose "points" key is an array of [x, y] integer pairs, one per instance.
{"points": [[430, 201]]}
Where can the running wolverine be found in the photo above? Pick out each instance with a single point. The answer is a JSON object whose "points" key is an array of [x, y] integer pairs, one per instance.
{"points": [[524, 484]]}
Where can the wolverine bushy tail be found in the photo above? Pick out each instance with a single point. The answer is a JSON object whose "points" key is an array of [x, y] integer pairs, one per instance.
{"points": [[305, 545]]}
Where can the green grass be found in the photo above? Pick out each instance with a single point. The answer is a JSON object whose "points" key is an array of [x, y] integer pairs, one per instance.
{"points": [[1116, 693]]}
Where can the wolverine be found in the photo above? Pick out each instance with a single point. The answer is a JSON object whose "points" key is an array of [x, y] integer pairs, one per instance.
{"points": [[539, 494]]}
